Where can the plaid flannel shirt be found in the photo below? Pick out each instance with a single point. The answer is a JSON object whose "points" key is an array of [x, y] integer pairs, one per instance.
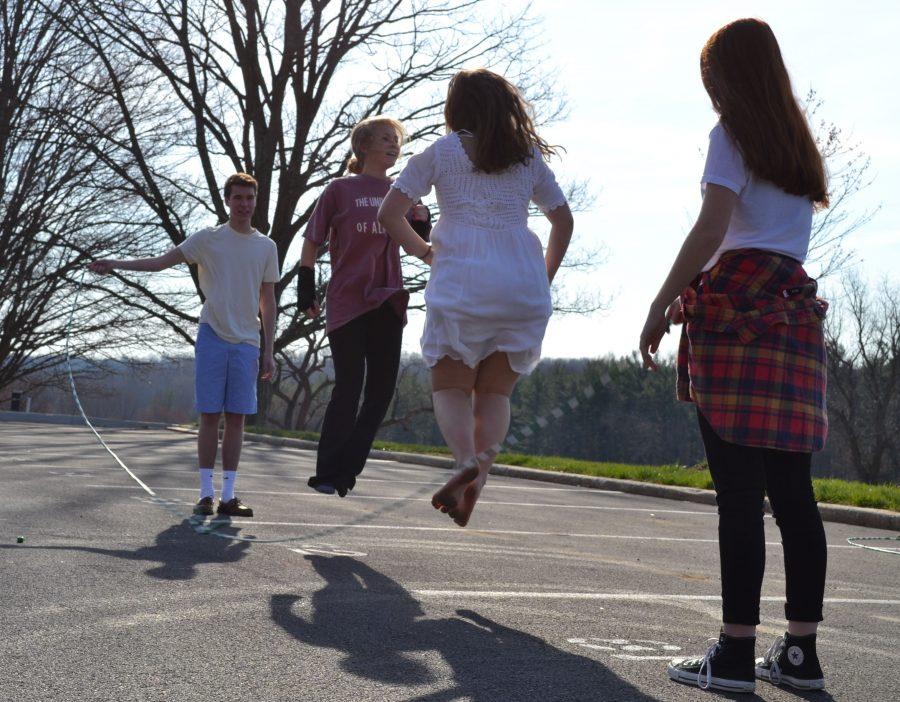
{"points": [[752, 352]]}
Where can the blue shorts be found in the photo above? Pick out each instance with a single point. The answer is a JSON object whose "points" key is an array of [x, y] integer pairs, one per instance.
{"points": [[224, 374]]}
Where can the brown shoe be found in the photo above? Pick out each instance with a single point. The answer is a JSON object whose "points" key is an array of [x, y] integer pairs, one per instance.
{"points": [[234, 508], [204, 506]]}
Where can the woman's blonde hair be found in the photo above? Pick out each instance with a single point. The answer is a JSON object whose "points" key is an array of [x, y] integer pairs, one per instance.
{"points": [[362, 134]]}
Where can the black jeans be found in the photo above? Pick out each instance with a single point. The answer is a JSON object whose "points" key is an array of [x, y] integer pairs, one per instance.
{"points": [[367, 347], [742, 476]]}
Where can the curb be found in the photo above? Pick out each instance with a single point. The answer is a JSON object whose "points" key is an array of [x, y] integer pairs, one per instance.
{"points": [[41, 418], [842, 514]]}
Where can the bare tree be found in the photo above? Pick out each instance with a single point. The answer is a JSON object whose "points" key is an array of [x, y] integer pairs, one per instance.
{"points": [[848, 174], [863, 342], [50, 222], [208, 87], [303, 392], [413, 395]]}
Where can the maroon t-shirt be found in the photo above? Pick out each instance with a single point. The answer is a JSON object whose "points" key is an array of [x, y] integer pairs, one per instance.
{"points": [[365, 261]]}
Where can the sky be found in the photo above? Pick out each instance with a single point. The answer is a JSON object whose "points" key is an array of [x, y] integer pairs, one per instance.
{"points": [[637, 129]]}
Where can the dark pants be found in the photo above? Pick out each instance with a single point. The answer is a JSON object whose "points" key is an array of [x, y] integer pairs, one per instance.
{"points": [[742, 476], [367, 347]]}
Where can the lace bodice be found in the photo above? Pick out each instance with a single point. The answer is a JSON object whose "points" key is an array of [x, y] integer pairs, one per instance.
{"points": [[482, 200]]}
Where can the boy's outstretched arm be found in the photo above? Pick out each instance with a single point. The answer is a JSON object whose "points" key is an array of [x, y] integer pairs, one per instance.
{"points": [[159, 263], [268, 310]]}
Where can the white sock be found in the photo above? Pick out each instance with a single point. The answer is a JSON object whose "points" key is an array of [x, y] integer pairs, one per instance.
{"points": [[206, 483], [228, 478]]}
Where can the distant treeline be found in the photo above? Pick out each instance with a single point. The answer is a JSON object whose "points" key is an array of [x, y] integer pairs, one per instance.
{"points": [[621, 412], [607, 409]]}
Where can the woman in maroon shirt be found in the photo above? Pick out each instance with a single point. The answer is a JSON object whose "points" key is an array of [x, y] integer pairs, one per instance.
{"points": [[365, 308]]}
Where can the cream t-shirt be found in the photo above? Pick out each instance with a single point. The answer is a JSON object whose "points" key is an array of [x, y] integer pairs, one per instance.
{"points": [[232, 267]]}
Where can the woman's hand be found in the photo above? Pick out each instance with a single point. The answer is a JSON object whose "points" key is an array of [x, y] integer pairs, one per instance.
{"points": [[103, 266], [392, 216], [312, 311], [655, 328], [675, 313]]}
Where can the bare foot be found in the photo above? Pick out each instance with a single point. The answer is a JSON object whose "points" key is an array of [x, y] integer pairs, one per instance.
{"points": [[463, 510], [448, 496]]}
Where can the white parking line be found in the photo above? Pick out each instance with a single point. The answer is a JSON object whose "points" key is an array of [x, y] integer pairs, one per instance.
{"points": [[502, 532], [510, 532], [497, 484], [616, 596], [314, 495]]}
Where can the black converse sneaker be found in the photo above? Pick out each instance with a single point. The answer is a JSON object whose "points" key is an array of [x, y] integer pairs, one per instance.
{"points": [[792, 660], [727, 665]]}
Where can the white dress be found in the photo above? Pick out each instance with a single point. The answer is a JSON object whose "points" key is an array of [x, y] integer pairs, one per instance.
{"points": [[488, 289]]}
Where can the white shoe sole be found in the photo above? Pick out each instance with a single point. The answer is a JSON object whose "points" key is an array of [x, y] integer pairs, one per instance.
{"points": [[796, 683], [714, 684]]}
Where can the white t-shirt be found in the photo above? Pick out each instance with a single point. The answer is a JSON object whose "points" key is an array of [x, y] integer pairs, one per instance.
{"points": [[765, 216], [231, 267]]}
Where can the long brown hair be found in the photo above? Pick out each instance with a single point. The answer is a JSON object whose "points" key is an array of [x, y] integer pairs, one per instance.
{"points": [[745, 76], [362, 134], [495, 112]]}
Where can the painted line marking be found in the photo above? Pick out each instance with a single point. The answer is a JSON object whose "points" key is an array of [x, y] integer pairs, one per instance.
{"points": [[618, 596], [326, 550], [597, 647], [503, 532], [315, 495], [632, 648], [393, 481]]}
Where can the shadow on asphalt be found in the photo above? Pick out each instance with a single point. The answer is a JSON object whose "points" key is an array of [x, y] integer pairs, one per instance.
{"points": [[379, 630], [764, 687], [178, 550]]}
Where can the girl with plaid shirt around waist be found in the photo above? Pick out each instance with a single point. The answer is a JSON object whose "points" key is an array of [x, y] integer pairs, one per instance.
{"points": [[752, 354]]}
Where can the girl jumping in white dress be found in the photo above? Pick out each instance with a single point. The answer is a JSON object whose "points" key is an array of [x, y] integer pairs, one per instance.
{"points": [[488, 298]]}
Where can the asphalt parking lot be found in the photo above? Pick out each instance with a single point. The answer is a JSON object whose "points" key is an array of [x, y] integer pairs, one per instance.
{"points": [[551, 593]]}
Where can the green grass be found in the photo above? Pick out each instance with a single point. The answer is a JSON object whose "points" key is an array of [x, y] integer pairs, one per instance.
{"points": [[846, 492], [841, 492], [664, 475], [286, 433]]}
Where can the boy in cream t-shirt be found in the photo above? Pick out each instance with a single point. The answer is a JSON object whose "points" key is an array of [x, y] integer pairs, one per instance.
{"points": [[237, 268]]}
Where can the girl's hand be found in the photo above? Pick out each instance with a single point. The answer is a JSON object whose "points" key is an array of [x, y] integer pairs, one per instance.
{"points": [[675, 313], [102, 266], [654, 329], [313, 311]]}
